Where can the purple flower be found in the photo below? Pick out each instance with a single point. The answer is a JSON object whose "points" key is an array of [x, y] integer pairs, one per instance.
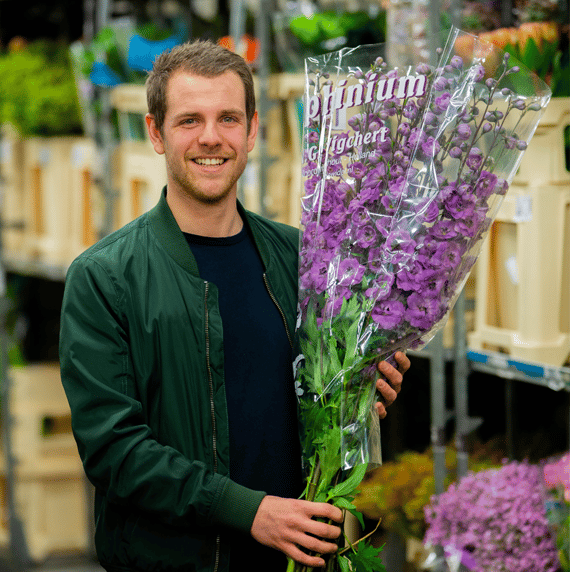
{"points": [[475, 159], [463, 131], [422, 312], [356, 170], [486, 184], [478, 72], [388, 314], [441, 103], [498, 517], [460, 206], [431, 147], [366, 236], [350, 272], [443, 229], [381, 288]]}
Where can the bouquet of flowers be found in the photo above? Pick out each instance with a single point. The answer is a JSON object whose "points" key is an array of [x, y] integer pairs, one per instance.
{"points": [[404, 169], [496, 520], [557, 484]]}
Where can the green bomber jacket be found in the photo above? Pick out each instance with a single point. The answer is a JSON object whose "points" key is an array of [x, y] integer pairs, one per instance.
{"points": [[141, 360]]}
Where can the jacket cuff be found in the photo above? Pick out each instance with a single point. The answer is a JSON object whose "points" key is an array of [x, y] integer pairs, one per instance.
{"points": [[237, 506]]}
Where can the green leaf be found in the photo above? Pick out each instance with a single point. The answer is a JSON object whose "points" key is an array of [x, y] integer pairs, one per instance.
{"points": [[344, 504], [366, 558], [349, 486], [344, 564]]}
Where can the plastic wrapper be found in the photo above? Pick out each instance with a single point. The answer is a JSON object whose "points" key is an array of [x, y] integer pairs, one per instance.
{"points": [[404, 169]]}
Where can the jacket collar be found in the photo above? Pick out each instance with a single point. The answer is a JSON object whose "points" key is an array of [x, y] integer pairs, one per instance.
{"points": [[172, 239]]}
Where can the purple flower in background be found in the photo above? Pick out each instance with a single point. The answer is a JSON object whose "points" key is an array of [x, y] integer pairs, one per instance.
{"points": [[497, 516]]}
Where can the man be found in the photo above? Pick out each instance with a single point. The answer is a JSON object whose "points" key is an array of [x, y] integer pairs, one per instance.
{"points": [[175, 351]]}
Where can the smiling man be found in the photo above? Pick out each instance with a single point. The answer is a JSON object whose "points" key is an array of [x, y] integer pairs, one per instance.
{"points": [[175, 351]]}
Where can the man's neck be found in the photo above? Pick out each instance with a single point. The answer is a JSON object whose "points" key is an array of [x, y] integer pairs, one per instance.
{"points": [[205, 219]]}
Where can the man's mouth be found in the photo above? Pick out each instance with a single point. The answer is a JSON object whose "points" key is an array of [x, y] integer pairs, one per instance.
{"points": [[209, 161]]}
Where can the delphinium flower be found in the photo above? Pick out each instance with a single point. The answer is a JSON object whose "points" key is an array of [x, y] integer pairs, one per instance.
{"points": [[497, 518], [404, 170]]}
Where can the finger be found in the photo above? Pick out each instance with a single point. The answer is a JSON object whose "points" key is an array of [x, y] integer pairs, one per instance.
{"points": [[381, 410], [323, 530], [324, 510], [299, 556], [316, 545], [391, 374], [403, 361], [387, 392]]}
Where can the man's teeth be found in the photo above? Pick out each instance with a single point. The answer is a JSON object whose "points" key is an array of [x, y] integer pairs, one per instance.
{"points": [[209, 161]]}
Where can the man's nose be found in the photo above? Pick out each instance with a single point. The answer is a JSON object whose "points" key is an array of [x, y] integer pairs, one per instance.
{"points": [[210, 134]]}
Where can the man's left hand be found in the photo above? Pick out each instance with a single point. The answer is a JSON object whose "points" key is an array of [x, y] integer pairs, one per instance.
{"points": [[391, 383]]}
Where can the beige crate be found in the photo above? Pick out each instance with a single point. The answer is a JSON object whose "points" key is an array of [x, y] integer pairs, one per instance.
{"points": [[41, 416], [142, 175], [88, 206], [51, 492], [12, 205], [523, 277], [544, 162], [51, 502], [48, 198]]}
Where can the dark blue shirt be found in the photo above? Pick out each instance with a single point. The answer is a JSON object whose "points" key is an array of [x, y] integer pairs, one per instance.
{"points": [[264, 444]]}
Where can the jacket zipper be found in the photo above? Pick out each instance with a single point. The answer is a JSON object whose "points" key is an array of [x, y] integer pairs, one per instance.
{"points": [[212, 408], [272, 296]]}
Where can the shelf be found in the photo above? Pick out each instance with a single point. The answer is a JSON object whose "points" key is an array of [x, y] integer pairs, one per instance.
{"points": [[36, 268], [501, 365]]}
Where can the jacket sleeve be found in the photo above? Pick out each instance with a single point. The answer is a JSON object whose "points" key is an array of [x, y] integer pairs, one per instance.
{"points": [[120, 456]]}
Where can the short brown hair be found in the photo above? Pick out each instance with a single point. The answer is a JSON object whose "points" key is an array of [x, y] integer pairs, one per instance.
{"points": [[200, 57]]}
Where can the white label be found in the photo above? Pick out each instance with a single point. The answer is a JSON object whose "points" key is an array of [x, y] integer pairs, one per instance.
{"points": [[512, 269], [44, 155], [6, 151], [523, 209]]}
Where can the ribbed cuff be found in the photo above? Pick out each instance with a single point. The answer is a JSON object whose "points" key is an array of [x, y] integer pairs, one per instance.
{"points": [[237, 506]]}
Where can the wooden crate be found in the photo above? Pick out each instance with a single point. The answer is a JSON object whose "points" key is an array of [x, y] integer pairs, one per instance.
{"points": [[544, 162], [523, 277], [88, 206], [12, 206], [142, 175], [51, 492], [48, 198], [51, 502]]}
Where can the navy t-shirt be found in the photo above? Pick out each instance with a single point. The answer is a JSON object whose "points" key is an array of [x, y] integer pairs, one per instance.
{"points": [[264, 444]]}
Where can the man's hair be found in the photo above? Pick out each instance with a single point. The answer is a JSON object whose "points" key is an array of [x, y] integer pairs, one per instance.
{"points": [[200, 57]]}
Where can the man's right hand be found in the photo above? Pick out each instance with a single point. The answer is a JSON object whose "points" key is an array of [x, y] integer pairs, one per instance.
{"points": [[287, 525]]}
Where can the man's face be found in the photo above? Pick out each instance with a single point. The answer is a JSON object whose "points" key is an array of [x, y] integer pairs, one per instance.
{"points": [[205, 135]]}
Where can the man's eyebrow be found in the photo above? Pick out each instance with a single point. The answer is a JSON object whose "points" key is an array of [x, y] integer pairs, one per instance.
{"points": [[195, 114]]}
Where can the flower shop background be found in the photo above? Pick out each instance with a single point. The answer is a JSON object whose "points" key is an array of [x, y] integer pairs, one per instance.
{"points": [[493, 386]]}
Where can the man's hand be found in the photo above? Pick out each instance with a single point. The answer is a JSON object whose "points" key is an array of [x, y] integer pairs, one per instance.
{"points": [[392, 384], [287, 525]]}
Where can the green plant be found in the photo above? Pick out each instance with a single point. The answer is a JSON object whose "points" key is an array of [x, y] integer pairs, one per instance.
{"points": [[38, 94]]}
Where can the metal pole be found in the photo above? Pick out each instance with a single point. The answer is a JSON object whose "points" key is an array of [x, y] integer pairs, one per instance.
{"points": [[438, 411], [17, 541], [460, 369]]}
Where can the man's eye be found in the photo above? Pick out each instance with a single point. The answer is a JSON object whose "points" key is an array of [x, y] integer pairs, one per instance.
{"points": [[229, 119]]}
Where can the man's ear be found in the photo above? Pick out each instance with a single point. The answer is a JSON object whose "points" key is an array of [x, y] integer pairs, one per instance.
{"points": [[251, 136], [154, 134]]}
